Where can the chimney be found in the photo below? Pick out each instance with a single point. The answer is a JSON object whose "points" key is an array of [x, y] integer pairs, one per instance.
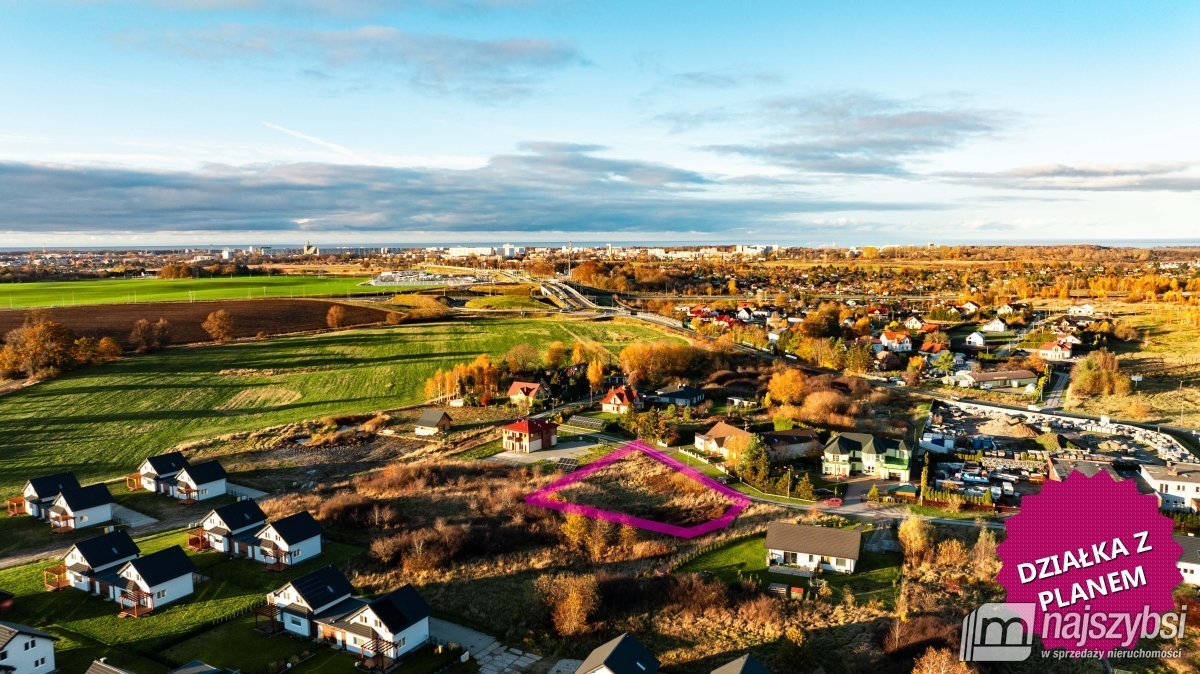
{"points": [[1172, 469]]}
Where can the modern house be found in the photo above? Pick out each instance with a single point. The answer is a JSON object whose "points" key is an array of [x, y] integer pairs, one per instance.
{"points": [[717, 440], [743, 665], [154, 581], [801, 548], [994, 325], [998, 379], [379, 631], [157, 473], [1057, 350], [680, 395], [433, 422], [526, 392], [529, 435], [287, 541], [976, 339], [850, 453], [623, 655], [1177, 485], [83, 507], [620, 399], [1189, 561], [1081, 310], [25, 650], [790, 444], [39, 493], [230, 528], [200, 482], [297, 606], [897, 342], [91, 565], [913, 323]]}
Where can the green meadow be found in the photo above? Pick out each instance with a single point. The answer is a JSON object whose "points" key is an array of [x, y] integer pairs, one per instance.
{"points": [[119, 291]]}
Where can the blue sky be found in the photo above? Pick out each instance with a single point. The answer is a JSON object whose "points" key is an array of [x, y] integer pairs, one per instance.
{"points": [[424, 121]]}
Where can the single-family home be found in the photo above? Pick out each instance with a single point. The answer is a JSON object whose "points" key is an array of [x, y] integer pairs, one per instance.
{"points": [[314, 596], [976, 339], [898, 342], [680, 395], [929, 349], [620, 399], [994, 325], [1005, 310], [790, 444], [155, 580], [849, 453], [1081, 310], [743, 665], [40, 492], [290, 540], [802, 548], [913, 323], [723, 439], [623, 655], [886, 361], [229, 528], [967, 308], [91, 565], [1056, 350], [379, 631], [1176, 484], [1189, 561], [529, 435], [200, 482], [25, 650], [103, 666], [433, 422], [157, 473], [526, 392], [997, 379], [83, 507]]}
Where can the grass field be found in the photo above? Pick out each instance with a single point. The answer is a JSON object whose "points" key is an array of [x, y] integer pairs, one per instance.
{"points": [[511, 302], [101, 422], [115, 291]]}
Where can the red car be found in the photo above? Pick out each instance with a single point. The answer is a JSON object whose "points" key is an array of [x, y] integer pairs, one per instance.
{"points": [[833, 501]]}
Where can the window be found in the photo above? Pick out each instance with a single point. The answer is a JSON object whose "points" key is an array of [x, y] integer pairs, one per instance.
{"points": [[3, 655], [83, 518], [39, 662], [30, 644], [400, 643], [160, 594], [294, 620], [297, 553]]}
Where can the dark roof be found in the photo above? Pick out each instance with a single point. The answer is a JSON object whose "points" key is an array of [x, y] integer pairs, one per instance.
{"points": [[107, 549], [197, 667], [51, 485], [400, 609], [8, 631], [743, 665], [432, 418], [322, 586], [623, 655], [102, 667], [681, 391], [826, 541], [170, 462], [166, 564], [1191, 549], [240, 514], [86, 497], [296, 527], [203, 473]]}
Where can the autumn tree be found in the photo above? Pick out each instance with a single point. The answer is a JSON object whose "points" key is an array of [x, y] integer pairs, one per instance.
{"points": [[916, 537], [556, 353], [595, 375], [940, 661], [985, 563], [335, 318], [219, 325], [521, 358], [147, 336], [41, 348], [786, 387], [578, 353], [571, 599]]}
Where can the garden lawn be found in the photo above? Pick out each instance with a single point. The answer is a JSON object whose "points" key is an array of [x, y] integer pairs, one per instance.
{"points": [[101, 422], [118, 291]]}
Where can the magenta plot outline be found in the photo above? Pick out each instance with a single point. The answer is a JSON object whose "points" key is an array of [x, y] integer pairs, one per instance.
{"points": [[542, 497]]}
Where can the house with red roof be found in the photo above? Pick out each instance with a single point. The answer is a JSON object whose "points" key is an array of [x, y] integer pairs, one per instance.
{"points": [[529, 435], [525, 392], [895, 341], [620, 399]]}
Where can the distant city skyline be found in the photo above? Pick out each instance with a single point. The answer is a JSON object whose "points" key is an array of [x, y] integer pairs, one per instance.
{"points": [[133, 123]]}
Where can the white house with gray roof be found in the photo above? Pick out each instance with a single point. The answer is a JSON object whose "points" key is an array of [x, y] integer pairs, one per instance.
{"points": [[801, 549], [1176, 484], [25, 650]]}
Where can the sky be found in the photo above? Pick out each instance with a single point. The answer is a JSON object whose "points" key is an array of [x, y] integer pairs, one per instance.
{"points": [[418, 122]]}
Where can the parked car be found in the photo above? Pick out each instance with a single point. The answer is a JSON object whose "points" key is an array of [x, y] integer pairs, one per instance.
{"points": [[822, 491], [835, 501]]}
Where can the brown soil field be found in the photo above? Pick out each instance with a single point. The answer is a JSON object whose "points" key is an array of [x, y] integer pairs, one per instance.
{"points": [[250, 317]]}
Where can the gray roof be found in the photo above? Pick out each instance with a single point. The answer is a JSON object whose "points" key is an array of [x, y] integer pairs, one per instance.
{"points": [[171, 462], [83, 498], [432, 418], [107, 549], [9, 631], [1001, 375], [1177, 472], [743, 665], [102, 667], [159, 567], [1064, 467], [806, 538], [196, 667], [204, 473], [1191, 548], [623, 655]]}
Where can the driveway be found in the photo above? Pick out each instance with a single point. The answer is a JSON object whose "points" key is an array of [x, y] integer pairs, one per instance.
{"points": [[493, 657], [131, 518], [564, 450]]}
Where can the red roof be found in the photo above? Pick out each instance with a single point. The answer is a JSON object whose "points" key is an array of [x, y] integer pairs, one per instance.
{"points": [[524, 388], [930, 347], [530, 426], [620, 395]]}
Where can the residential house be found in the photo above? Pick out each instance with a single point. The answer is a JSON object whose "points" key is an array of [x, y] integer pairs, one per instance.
{"points": [[25, 650], [529, 435], [1176, 484], [155, 580], [198, 667], [994, 325], [83, 507], [290, 540], [968, 308], [157, 473], [102, 666], [737, 402], [743, 665], [1051, 351], [230, 528], [91, 565], [1189, 561], [680, 395], [623, 655], [200, 482], [898, 342], [886, 361], [913, 323], [39, 493], [433, 422], [620, 399], [790, 444], [1005, 310], [524, 393], [931, 350], [997, 379], [976, 339], [724, 439], [1081, 310], [802, 549], [315, 596], [380, 631], [849, 453]]}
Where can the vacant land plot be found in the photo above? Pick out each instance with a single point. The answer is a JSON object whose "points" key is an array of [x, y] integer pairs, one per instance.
{"points": [[102, 421], [250, 318], [510, 302], [119, 291], [642, 487]]}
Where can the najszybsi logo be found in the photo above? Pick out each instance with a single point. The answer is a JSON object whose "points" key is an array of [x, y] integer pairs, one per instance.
{"points": [[1004, 632]]}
